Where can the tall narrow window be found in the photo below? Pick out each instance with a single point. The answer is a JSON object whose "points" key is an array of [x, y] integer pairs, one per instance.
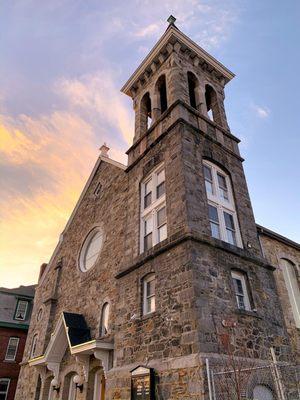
{"points": [[240, 289], [104, 320], [291, 282], [221, 206], [4, 386], [161, 88], [212, 106], [12, 349], [192, 83], [33, 346], [21, 310], [72, 389], [146, 112], [153, 209], [149, 294]]}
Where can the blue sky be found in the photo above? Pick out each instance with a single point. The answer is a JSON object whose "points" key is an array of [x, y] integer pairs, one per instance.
{"points": [[62, 65]]}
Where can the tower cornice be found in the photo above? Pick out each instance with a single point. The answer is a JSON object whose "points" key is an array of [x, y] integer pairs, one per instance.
{"points": [[173, 40]]}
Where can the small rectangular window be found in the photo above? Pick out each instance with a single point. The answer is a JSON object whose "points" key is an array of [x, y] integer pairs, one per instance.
{"points": [[97, 190], [162, 224], [223, 186], [241, 292], [208, 179], [4, 385], [12, 349], [148, 233], [160, 188], [21, 310], [148, 195], [149, 294], [214, 221], [230, 228]]}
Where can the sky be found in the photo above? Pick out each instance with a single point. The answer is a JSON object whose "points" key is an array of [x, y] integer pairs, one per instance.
{"points": [[62, 65]]}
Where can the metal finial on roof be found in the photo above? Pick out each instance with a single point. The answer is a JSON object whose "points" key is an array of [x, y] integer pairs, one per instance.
{"points": [[171, 20]]}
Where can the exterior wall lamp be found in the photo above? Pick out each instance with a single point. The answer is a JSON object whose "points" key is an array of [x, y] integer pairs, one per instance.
{"points": [[78, 382], [55, 385]]}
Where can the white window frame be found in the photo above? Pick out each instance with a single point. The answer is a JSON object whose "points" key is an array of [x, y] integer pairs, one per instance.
{"points": [[241, 277], [152, 210], [72, 389], [33, 345], [82, 262], [26, 309], [105, 311], [149, 278], [8, 383], [291, 283], [216, 200], [12, 338]]}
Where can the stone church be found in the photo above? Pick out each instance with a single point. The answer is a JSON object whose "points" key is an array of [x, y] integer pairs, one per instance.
{"points": [[161, 258]]}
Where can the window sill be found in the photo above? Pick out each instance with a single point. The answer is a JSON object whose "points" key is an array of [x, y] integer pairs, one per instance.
{"points": [[147, 316], [249, 313]]}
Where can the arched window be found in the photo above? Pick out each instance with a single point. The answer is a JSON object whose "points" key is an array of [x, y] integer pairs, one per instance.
{"points": [[221, 205], [148, 288], [262, 392], [290, 279], [161, 88], [33, 346], [153, 209], [38, 389], [212, 106], [192, 84], [146, 112], [72, 388], [69, 386], [240, 284], [104, 319]]}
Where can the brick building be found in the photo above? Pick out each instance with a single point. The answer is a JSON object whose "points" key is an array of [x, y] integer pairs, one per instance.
{"points": [[15, 311], [160, 256]]}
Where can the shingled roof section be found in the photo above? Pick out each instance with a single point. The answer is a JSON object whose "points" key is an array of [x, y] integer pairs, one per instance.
{"points": [[21, 290], [77, 328]]}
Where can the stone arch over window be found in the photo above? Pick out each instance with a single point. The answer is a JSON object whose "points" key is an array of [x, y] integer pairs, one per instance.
{"points": [[161, 92], [291, 282], [69, 387], [193, 87], [148, 293], [212, 105], [104, 321]]}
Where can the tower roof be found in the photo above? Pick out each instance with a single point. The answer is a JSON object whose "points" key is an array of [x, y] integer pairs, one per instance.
{"points": [[174, 38]]}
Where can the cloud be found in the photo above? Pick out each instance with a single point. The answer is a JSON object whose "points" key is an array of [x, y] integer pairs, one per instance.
{"points": [[149, 30], [45, 161], [261, 112]]}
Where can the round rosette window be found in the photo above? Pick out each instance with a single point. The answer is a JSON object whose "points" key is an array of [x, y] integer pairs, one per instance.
{"points": [[91, 249]]}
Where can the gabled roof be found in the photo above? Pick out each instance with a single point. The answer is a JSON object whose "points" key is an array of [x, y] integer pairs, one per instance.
{"points": [[71, 330], [85, 189], [171, 36]]}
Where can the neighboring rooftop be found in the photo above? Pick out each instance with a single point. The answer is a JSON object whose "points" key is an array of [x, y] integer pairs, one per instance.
{"points": [[21, 290], [267, 232]]}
